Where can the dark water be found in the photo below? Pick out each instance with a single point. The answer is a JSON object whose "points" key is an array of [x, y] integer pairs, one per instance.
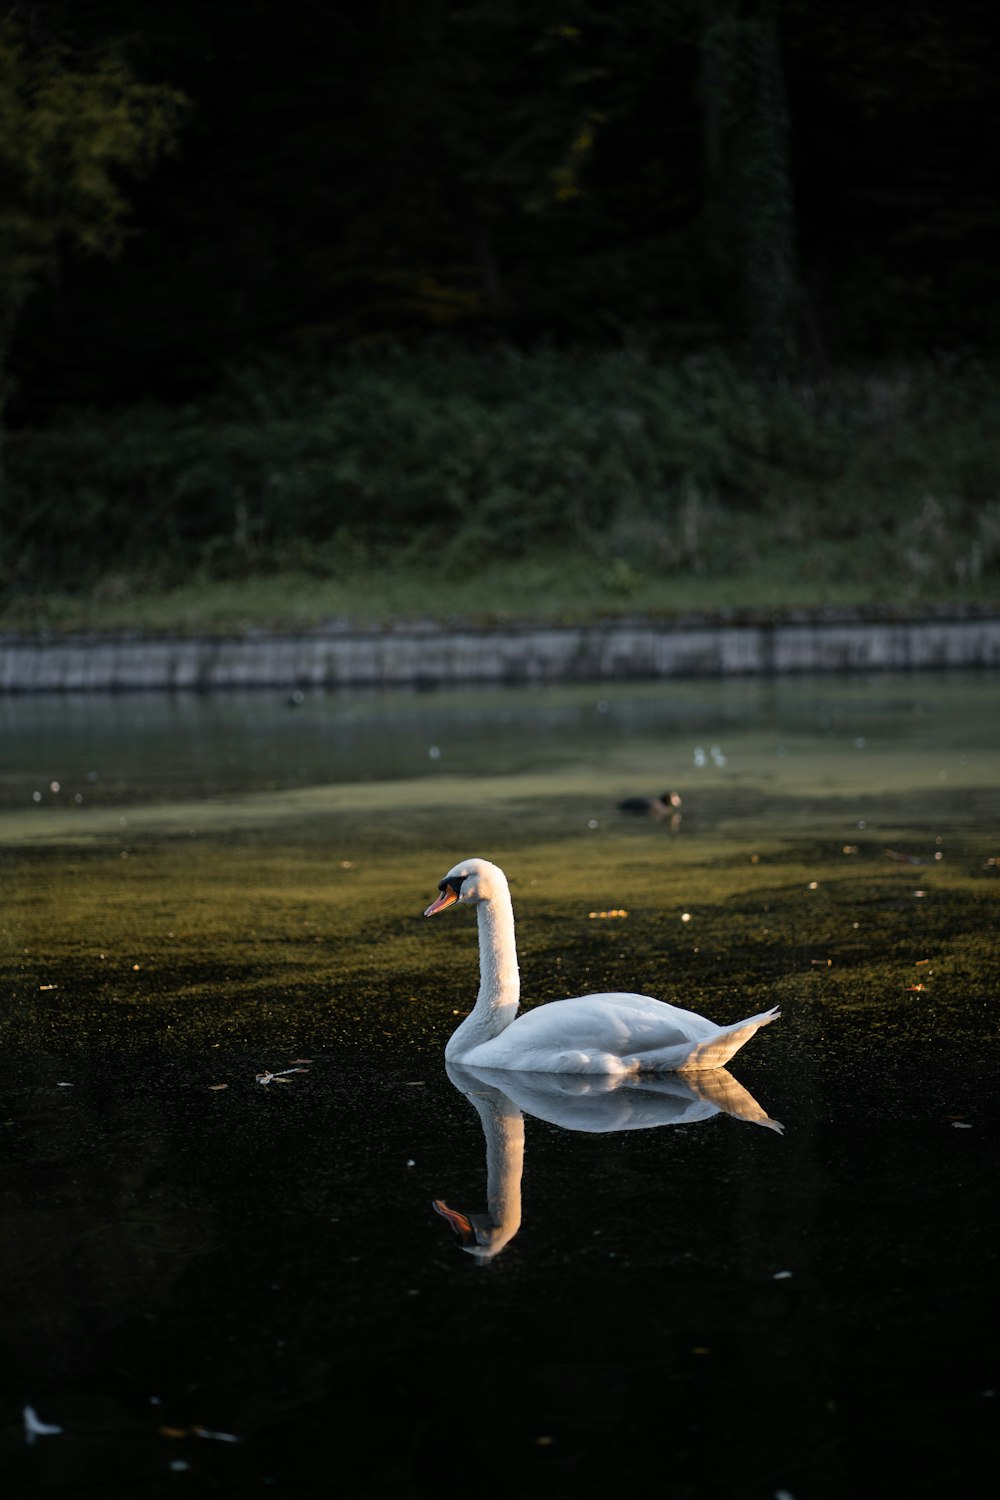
{"points": [[107, 748], [226, 1290]]}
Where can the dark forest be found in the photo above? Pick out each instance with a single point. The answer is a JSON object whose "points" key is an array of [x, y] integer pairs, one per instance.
{"points": [[790, 189]]}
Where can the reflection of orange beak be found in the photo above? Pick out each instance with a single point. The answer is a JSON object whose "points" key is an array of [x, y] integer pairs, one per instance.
{"points": [[448, 897], [457, 1220]]}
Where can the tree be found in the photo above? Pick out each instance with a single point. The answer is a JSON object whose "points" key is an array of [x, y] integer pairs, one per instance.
{"points": [[71, 128], [748, 183]]}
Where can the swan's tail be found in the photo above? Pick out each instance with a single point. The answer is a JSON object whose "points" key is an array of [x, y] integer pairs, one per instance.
{"points": [[718, 1086], [717, 1051]]}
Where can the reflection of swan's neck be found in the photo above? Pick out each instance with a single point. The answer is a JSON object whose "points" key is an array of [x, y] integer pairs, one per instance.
{"points": [[503, 1128], [499, 983]]}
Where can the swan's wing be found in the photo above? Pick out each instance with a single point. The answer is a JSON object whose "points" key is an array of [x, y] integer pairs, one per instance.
{"points": [[599, 1103], [595, 1103], [617, 1022], [613, 1034], [720, 1088], [608, 1033], [716, 1050]]}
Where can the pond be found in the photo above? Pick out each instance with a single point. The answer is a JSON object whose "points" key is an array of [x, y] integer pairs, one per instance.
{"points": [[256, 1235]]}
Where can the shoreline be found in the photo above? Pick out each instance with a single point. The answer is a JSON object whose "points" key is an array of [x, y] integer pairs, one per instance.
{"points": [[643, 648]]}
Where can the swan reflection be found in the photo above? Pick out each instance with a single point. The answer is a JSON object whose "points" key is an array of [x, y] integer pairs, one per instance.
{"points": [[593, 1103]]}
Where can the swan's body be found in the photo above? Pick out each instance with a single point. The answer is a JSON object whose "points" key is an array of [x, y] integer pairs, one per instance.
{"points": [[612, 1034], [502, 1097], [599, 1104]]}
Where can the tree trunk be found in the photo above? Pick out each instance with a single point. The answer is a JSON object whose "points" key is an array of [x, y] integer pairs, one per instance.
{"points": [[748, 189]]}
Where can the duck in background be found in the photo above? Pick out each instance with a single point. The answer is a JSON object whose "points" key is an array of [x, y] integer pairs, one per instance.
{"points": [[666, 805]]}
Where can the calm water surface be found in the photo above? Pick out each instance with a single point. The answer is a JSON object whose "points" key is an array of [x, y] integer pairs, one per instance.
{"points": [[217, 1285]]}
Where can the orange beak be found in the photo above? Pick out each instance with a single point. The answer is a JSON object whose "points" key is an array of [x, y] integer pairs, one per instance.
{"points": [[457, 1220], [448, 897]]}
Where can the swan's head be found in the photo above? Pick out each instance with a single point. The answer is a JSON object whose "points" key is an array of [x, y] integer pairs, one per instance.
{"points": [[471, 881], [478, 1234]]}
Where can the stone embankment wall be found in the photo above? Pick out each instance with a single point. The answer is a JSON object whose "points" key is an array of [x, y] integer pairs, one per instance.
{"points": [[339, 657]]}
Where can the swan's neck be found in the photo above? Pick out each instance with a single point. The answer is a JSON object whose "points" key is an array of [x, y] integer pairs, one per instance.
{"points": [[499, 982], [503, 1129]]}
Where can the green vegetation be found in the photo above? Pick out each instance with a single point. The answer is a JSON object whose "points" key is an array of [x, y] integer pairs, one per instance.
{"points": [[464, 309], [439, 483], [119, 937], [785, 181], [846, 851], [70, 128]]}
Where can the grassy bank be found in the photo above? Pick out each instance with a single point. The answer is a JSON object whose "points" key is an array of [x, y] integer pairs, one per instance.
{"points": [[427, 486], [561, 588]]}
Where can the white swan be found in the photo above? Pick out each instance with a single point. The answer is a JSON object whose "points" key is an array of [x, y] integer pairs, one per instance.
{"points": [[484, 1235], [631, 1101], [611, 1034], [598, 1104]]}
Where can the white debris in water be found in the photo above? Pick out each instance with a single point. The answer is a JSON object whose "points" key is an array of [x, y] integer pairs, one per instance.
{"points": [[34, 1427], [268, 1077]]}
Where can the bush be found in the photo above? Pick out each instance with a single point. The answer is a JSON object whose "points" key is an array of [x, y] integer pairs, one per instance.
{"points": [[651, 465]]}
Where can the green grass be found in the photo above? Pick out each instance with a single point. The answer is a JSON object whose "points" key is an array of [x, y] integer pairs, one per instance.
{"points": [[561, 588], [505, 485]]}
